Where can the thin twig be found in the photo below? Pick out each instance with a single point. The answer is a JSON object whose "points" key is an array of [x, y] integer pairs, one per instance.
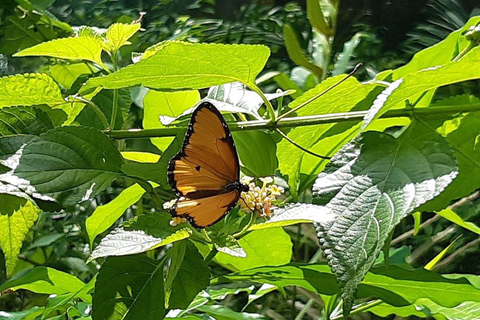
{"points": [[300, 147]]}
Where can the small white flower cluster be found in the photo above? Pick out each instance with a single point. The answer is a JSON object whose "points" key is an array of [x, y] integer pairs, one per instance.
{"points": [[259, 199]]}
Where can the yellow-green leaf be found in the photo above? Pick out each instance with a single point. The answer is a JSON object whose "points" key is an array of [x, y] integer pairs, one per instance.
{"points": [[179, 65], [14, 228], [29, 89], [80, 48], [118, 34]]}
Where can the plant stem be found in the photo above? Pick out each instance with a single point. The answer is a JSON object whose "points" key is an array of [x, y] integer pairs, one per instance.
{"points": [[354, 116], [268, 104], [211, 255], [95, 108], [114, 109]]}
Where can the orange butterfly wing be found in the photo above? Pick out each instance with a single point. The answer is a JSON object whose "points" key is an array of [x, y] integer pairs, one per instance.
{"points": [[206, 171]]}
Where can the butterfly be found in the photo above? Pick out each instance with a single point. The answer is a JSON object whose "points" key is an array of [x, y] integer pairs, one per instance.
{"points": [[205, 173]]}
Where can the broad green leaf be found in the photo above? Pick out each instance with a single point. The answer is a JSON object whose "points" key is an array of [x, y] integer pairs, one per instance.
{"points": [[192, 276], [86, 163], [224, 313], [171, 104], [104, 216], [450, 215], [276, 251], [23, 120], [143, 157], [467, 310], [15, 191], [29, 89], [461, 133], [44, 280], [129, 288], [79, 48], [439, 54], [341, 99], [15, 227], [397, 286], [413, 84], [70, 164], [371, 184], [28, 314], [317, 18], [184, 66], [67, 74], [117, 35], [295, 51], [140, 234], [256, 150]]}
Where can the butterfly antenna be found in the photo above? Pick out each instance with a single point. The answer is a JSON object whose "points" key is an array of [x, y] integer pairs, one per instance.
{"points": [[246, 204], [355, 69], [300, 147]]}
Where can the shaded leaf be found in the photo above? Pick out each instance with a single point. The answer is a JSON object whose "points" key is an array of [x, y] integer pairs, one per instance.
{"points": [[23, 120], [192, 276], [450, 215], [129, 288], [256, 150], [70, 164]]}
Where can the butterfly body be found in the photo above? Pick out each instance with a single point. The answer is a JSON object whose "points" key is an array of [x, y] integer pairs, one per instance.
{"points": [[205, 173]]}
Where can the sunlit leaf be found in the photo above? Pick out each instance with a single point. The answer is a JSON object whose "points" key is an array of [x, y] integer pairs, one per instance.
{"points": [[372, 183], [29, 89]]}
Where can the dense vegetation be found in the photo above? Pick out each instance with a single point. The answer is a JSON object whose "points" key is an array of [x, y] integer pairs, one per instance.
{"points": [[374, 177]]}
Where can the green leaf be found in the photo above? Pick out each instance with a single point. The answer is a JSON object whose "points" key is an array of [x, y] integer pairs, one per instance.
{"points": [[29, 89], [104, 216], [439, 54], [79, 48], [44, 280], [117, 35], [286, 83], [67, 74], [342, 99], [129, 288], [190, 66], [467, 310], [224, 313], [411, 85], [70, 164], [461, 133], [317, 18], [21, 315], [372, 183], [15, 227], [141, 234], [293, 214], [432, 263], [398, 286], [23, 120], [104, 101], [295, 51], [276, 251], [192, 276], [158, 103], [450, 215], [143, 157], [343, 60], [256, 164]]}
